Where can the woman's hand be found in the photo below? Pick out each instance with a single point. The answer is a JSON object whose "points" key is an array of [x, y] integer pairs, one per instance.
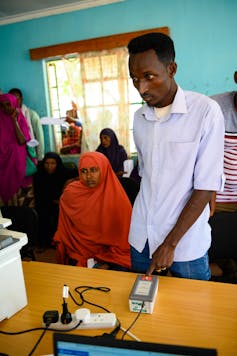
{"points": [[14, 115], [19, 134], [120, 173]]}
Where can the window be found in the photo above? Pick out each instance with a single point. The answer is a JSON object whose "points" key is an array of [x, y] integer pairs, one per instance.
{"points": [[99, 84], [103, 98]]}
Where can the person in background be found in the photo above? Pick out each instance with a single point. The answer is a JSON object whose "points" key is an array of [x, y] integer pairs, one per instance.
{"points": [[72, 115], [15, 187], [223, 251], [49, 182], [33, 120], [228, 104], [111, 148], [135, 174], [72, 140], [94, 218], [179, 135]]}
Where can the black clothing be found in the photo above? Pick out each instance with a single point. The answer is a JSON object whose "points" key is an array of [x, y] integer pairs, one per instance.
{"points": [[48, 189]]}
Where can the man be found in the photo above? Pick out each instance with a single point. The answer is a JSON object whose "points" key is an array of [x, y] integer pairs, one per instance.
{"points": [[227, 199], [179, 137], [228, 104], [224, 221], [33, 121]]}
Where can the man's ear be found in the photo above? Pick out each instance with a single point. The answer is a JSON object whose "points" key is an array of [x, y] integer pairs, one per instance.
{"points": [[172, 68]]}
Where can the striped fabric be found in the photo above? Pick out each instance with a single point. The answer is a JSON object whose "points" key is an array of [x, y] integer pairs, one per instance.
{"points": [[229, 195]]}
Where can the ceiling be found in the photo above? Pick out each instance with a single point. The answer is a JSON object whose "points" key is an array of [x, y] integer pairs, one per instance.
{"points": [[22, 10]]}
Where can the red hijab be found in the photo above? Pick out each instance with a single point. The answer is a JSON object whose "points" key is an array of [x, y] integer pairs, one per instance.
{"points": [[94, 222]]}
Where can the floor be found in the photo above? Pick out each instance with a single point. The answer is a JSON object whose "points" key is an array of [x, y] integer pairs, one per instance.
{"points": [[41, 255], [45, 255]]}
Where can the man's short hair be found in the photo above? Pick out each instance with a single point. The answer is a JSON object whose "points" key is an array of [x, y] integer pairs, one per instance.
{"points": [[162, 44], [15, 91]]}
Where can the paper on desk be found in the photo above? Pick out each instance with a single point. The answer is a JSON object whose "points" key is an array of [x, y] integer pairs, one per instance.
{"points": [[53, 121]]}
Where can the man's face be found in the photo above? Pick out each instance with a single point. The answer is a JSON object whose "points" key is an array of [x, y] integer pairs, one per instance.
{"points": [[152, 78], [19, 98]]}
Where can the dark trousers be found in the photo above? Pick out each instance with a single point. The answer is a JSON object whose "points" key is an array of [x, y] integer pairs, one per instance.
{"points": [[224, 236]]}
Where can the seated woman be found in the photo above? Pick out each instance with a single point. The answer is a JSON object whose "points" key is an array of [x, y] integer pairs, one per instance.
{"points": [[111, 148], [15, 187], [72, 140], [49, 181], [94, 218]]}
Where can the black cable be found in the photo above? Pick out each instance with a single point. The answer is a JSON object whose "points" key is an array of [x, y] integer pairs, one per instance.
{"points": [[20, 332], [139, 313], [116, 329], [83, 300], [113, 333], [66, 330], [42, 335], [37, 329], [47, 328], [37, 343]]}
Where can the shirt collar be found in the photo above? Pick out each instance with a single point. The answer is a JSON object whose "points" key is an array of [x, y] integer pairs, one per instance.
{"points": [[179, 106]]}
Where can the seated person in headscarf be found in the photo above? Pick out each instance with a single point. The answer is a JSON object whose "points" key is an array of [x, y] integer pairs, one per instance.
{"points": [[49, 182], [111, 148], [72, 140], [94, 218]]}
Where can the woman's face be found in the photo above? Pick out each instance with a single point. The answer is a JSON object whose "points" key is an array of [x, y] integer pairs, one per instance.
{"points": [[6, 107], [105, 141], [90, 176], [50, 165]]}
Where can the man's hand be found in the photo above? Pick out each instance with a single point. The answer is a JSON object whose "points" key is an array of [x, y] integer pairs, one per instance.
{"points": [[164, 255], [162, 258]]}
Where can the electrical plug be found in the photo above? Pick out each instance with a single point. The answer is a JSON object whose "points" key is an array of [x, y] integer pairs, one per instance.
{"points": [[66, 316], [50, 316], [83, 315]]}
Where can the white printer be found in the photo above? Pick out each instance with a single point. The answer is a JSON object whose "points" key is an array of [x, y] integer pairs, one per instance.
{"points": [[12, 285]]}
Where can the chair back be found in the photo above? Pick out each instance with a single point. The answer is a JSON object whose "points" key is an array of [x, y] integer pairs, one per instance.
{"points": [[24, 219]]}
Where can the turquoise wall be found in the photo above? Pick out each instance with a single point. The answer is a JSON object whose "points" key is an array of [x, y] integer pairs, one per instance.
{"points": [[204, 32]]}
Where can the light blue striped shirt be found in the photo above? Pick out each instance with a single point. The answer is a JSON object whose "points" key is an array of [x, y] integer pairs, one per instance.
{"points": [[176, 155]]}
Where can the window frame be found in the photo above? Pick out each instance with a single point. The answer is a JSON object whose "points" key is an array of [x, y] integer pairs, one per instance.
{"points": [[94, 44]]}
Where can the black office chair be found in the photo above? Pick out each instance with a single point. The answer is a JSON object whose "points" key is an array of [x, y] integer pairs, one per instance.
{"points": [[24, 219]]}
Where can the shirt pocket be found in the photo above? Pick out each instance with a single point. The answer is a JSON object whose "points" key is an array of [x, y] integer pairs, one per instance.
{"points": [[177, 155]]}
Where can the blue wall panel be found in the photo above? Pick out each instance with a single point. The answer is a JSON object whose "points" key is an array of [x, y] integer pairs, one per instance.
{"points": [[204, 32]]}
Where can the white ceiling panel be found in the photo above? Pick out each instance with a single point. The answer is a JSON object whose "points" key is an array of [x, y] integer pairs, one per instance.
{"points": [[22, 10]]}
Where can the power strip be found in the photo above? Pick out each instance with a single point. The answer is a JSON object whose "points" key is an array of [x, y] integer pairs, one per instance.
{"points": [[95, 321]]}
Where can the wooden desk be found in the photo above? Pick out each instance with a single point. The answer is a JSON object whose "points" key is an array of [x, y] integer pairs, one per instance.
{"points": [[187, 312]]}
